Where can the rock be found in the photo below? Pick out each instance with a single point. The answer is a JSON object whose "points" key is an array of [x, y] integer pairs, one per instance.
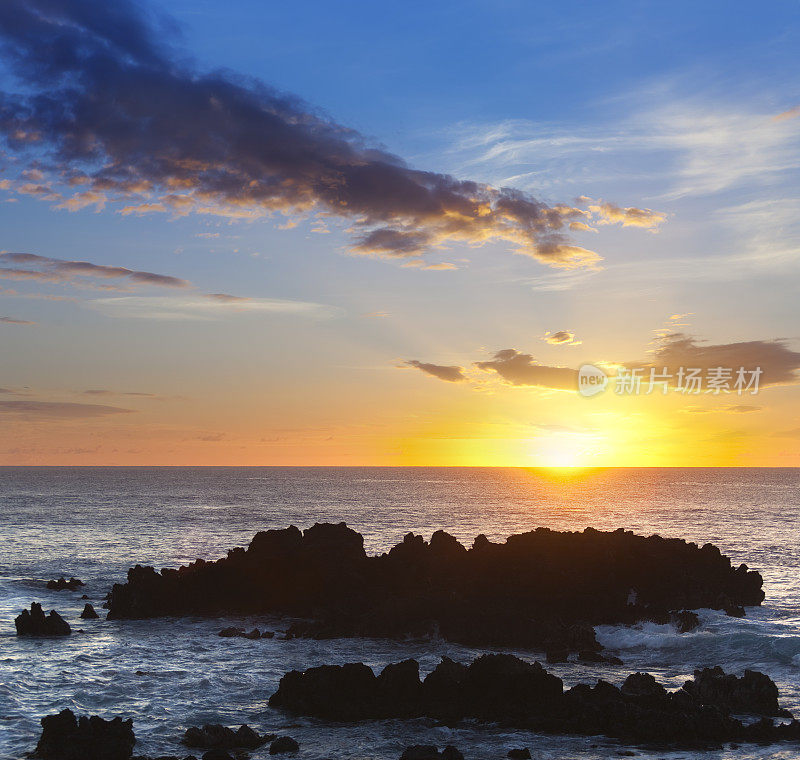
{"points": [[506, 690], [73, 584], [420, 752], [216, 736], [557, 655], [538, 590], [752, 693], [89, 612], [229, 633], [65, 737], [34, 623], [217, 754], [268, 635], [283, 744], [735, 610], [685, 620], [519, 754], [591, 657], [452, 753], [254, 634]]}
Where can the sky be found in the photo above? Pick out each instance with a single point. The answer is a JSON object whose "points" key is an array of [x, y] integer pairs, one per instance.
{"points": [[250, 233]]}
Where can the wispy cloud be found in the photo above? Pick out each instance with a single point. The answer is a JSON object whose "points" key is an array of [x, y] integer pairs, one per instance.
{"points": [[52, 410], [205, 308], [450, 374], [561, 338], [12, 321]]}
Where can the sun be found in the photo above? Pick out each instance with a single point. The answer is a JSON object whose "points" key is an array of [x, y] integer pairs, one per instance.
{"points": [[559, 451]]}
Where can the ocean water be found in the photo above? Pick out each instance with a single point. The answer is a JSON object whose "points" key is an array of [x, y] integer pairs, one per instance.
{"points": [[168, 674]]}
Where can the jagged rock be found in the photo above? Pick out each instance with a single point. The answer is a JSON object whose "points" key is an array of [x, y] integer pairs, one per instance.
{"points": [[65, 737], [216, 736], [504, 689], [539, 590], [751, 693], [557, 655], [254, 634], [217, 754], [283, 744], [519, 754], [35, 623], [268, 635], [685, 620], [62, 584], [89, 612], [230, 633], [735, 610]]}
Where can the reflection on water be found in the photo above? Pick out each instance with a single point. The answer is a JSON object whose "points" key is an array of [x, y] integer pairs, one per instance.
{"points": [[95, 522]]}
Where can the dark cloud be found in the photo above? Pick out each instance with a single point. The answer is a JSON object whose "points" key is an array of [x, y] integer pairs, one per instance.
{"points": [[443, 372], [12, 321], [115, 115], [61, 270], [779, 364], [517, 368], [57, 410]]}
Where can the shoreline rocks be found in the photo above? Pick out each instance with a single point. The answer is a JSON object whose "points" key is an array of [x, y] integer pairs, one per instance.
{"points": [[538, 590], [501, 688], [89, 613], [65, 737], [35, 623]]}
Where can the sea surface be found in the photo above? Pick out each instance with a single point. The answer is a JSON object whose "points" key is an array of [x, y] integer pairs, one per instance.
{"points": [[168, 674]]}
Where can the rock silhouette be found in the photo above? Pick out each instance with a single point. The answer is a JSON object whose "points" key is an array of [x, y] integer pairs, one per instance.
{"points": [[89, 612], [65, 737], [62, 584], [35, 623], [215, 736], [504, 689], [542, 589]]}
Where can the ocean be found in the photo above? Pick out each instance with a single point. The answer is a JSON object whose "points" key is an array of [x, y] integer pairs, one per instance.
{"points": [[168, 674]]}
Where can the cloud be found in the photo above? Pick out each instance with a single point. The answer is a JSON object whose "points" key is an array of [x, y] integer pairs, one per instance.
{"points": [[561, 338], [521, 369], [743, 408], [610, 213], [779, 364], [11, 321], [451, 374], [57, 410], [792, 113], [122, 118], [61, 270], [205, 308], [227, 298], [105, 392]]}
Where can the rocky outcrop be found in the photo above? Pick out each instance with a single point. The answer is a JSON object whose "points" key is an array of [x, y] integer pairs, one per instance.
{"points": [[36, 623], [65, 737], [89, 612], [430, 752], [543, 589], [503, 689], [215, 736], [282, 745], [62, 584]]}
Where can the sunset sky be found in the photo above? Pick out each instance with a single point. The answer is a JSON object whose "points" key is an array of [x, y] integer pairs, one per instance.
{"points": [[360, 233]]}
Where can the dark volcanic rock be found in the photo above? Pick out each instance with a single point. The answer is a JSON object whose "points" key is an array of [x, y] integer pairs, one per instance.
{"points": [[420, 752], [685, 620], [62, 584], [65, 737], [283, 744], [752, 693], [216, 736], [35, 623], [519, 754], [541, 589], [503, 689], [89, 612]]}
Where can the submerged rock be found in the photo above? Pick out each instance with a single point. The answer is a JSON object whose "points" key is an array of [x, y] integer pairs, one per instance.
{"points": [[542, 590], [35, 623], [89, 612], [65, 737], [62, 584], [504, 689], [216, 736]]}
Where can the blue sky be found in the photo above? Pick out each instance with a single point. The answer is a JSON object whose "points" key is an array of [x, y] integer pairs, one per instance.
{"points": [[687, 112]]}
